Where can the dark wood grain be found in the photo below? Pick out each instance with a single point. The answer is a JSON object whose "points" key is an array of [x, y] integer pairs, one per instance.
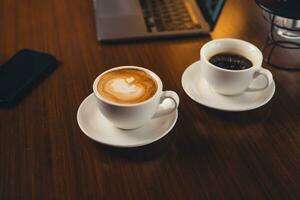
{"points": [[208, 155]]}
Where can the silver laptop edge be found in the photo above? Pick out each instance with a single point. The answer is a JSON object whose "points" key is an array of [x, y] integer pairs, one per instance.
{"points": [[122, 20]]}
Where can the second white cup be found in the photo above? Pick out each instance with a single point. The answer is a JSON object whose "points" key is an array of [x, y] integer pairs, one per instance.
{"points": [[233, 82]]}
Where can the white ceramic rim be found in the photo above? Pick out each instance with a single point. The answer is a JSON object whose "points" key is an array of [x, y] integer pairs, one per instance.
{"points": [[149, 72], [205, 59]]}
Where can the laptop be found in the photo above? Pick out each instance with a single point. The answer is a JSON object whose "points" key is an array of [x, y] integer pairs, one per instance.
{"points": [[135, 19]]}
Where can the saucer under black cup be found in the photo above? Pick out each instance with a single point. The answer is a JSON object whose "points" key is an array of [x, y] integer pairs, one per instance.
{"points": [[196, 87]]}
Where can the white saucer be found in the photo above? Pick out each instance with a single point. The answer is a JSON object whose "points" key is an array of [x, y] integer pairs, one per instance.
{"points": [[198, 89], [98, 128]]}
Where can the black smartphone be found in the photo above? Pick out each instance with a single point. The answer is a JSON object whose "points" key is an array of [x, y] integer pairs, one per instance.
{"points": [[22, 72]]}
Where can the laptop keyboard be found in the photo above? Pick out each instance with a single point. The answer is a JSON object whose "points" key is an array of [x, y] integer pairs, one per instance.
{"points": [[167, 15]]}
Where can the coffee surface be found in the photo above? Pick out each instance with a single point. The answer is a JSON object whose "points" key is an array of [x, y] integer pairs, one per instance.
{"points": [[230, 61], [127, 86]]}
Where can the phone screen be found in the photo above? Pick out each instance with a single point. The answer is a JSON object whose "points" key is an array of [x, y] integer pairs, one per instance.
{"points": [[20, 73]]}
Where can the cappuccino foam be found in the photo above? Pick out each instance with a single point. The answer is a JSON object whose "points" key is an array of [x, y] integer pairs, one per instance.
{"points": [[127, 86]]}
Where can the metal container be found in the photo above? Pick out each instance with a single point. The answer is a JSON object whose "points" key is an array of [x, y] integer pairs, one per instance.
{"points": [[287, 28]]}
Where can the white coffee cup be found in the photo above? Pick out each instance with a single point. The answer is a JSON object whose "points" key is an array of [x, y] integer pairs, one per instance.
{"points": [[132, 116], [233, 82]]}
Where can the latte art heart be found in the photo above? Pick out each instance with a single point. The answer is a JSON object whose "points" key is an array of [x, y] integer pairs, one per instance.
{"points": [[122, 89], [127, 86], [121, 86]]}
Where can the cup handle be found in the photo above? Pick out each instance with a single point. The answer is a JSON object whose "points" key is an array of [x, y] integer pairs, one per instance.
{"points": [[266, 74], [165, 107]]}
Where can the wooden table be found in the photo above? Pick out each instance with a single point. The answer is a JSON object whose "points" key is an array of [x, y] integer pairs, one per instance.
{"points": [[208, 155]]}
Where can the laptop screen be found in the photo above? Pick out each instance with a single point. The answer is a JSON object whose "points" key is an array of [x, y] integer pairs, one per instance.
{"points": [[211, 10]]}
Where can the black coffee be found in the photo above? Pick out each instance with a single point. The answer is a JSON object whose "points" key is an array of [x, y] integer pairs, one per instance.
{"points": [[230, 61]]}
